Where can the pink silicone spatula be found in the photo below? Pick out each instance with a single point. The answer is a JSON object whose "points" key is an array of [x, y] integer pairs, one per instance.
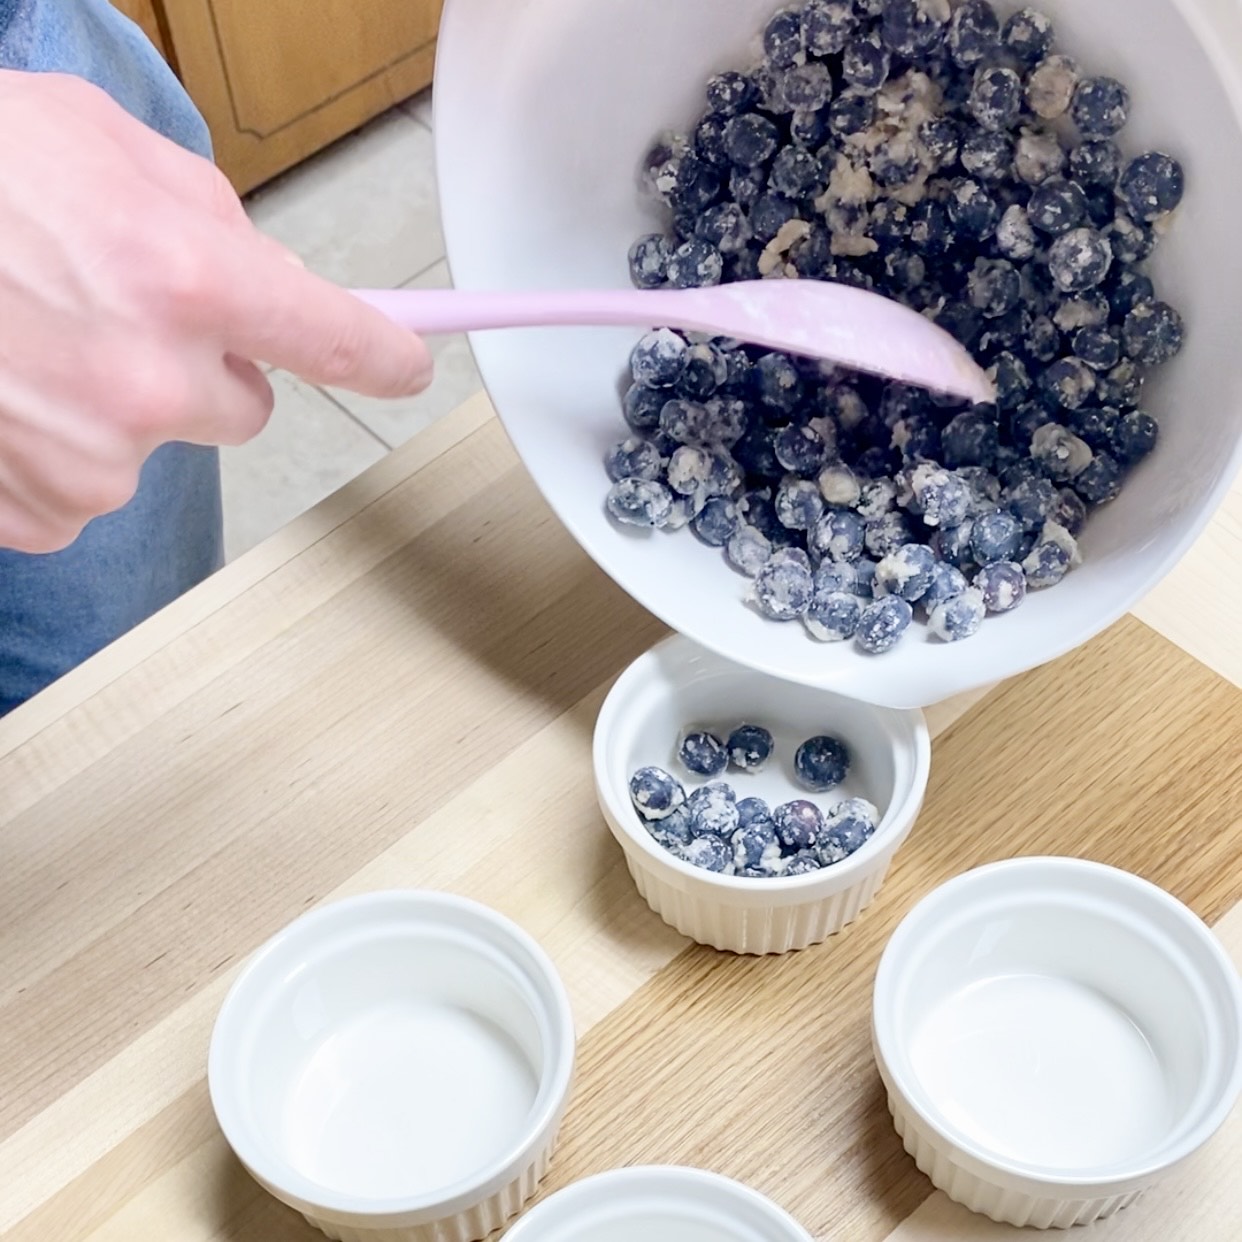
{"points": [[815, 318]]}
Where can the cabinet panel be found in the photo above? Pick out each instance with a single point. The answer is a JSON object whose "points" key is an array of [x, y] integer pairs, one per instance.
{"points": [[144, 13], [279, 79]]}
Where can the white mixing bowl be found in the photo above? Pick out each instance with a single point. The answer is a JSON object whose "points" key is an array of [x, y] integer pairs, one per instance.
{"points": [[544, 110]]}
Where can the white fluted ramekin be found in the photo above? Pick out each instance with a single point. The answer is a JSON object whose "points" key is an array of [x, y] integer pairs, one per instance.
{"points": [[657, 1204], [678, 685], [395, 1067], [1055, 1036]]}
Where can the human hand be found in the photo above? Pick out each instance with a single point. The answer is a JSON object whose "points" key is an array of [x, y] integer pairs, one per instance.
{"points": [[136, 300]]}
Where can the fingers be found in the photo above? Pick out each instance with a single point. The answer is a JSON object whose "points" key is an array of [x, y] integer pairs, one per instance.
{"points": [[276, 312], [234, 403]]}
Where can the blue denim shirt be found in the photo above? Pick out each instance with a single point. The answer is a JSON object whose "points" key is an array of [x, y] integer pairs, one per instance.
{"points": [[93, 40]]}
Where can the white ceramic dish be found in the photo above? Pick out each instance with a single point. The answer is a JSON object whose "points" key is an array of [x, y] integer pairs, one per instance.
{"points": [[1055, 1036], [543, 111], [395, 1066], [678, 685], [660, 1204]]}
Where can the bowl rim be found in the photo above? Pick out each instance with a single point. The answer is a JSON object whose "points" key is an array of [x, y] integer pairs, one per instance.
{"points": [[906, 725], [929, 912], [633, 1179], [432, 909]]}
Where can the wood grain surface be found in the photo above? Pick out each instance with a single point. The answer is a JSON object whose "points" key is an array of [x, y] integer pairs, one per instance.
{"points": [[399, 690]]}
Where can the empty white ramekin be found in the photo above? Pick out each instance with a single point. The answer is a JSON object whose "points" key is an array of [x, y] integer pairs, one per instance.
{"points": [[395, 1066], [659, 1204], [1055, 1036], [677, 685]]}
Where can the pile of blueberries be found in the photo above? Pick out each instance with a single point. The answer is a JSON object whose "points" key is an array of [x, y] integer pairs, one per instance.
{"points": [[711, 827], [968, 169]]}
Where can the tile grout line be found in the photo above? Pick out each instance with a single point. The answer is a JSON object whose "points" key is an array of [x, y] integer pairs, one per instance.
{"points": [[353, 418]]}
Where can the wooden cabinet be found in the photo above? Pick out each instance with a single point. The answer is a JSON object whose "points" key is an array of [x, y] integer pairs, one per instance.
{"points": [[279, 79]]}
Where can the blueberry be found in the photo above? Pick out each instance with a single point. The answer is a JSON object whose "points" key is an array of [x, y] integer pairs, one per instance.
{"points": [[725, 420], [633, 458], [838, 535], [1031, 501], [1151, 185], [1015, 235], [839, 485], [832, 576], [896, 163], [695, 264], [750, 748], [1038, 155], [751, 139], [851, 112], [833, 615], [987, 155], [698, 184], [883, 623], [1100, 482], [1010, 378], [703, 753], [940, 498], [1045, 565], [658, 359], [865, 64], [1101, 107], [931, 232], [704, 371], [1099, 348], [974, 32], [1051, 85], [713, 810], [970, 439], [1043, 341], [1079, 260], [1028, 36], [685, 422], [822, 762], [802, 449], [648, 260], [876, 497], [748, 550], [995, 536], [1069, 511], [994, 287], [639, 502], [1056, 206], [958, 617], [827, 26], [759, 510], [797, 174], [1096, 162], [725, 227], [709, 854], [890, 223], [973, 212], [848, 826], [747, 185], [1122, 386], [717, 521], [702, 472], [910, 28], [1002, 585], [782, 590], [729, 93], [1134, 436], [1020, 425], [810, 128], [782, 37], [887, 533], [777, 383], [952, 543], [1068, 382], [1131, 240], [1152, 333], [709, 141], [906, 572], [799, 504], [655, 792], [983, 489], [755, 844], [917, 438], [803, 863], [947, 581], [673, 831], [798, 825], [996, 98], [941, 141]]}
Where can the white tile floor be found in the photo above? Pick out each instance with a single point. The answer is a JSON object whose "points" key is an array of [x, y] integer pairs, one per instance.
{"points": [[362, 213]]}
